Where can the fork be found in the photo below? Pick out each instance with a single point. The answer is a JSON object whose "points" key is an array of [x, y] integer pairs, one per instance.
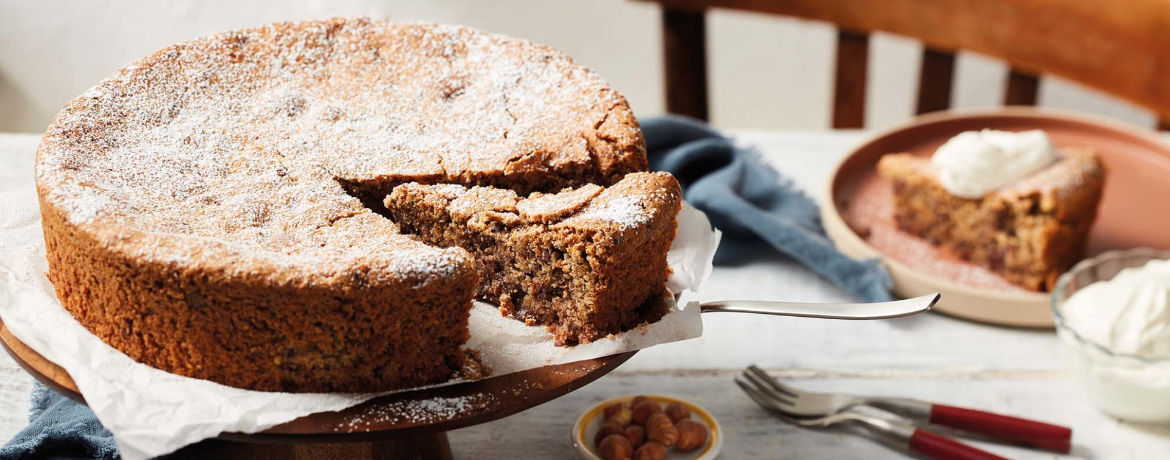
{"points": [[896, 432], [1011, 429]]}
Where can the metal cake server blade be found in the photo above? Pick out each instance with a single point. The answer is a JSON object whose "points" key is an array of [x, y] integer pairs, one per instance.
{"points": [[876, 310]]}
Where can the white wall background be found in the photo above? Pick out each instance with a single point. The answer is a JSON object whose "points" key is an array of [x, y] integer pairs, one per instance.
{"points": [[766, 72]]}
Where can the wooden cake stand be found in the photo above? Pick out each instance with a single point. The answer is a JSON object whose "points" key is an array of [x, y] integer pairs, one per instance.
{"points": [[404, 425]]}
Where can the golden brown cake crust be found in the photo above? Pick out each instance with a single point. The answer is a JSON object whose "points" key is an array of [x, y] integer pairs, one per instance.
{"points": [[1029, 232], [195, 203], [581, 261]]}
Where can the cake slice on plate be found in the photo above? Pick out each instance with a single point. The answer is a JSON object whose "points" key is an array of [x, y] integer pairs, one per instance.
{"points": [[582, 261], [1027, 229]]}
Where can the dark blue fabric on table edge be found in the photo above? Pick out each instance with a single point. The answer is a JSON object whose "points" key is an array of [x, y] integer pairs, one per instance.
{"points": [[751, 203], [59, 429], [754, 205]]}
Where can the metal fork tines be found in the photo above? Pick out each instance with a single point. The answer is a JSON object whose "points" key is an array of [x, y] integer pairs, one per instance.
{"points": [[896, 432], [808, 404], [987, 425], [765, 397]]}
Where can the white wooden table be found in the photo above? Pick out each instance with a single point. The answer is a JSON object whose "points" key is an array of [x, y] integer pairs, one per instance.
{"points": [[931, 356]]}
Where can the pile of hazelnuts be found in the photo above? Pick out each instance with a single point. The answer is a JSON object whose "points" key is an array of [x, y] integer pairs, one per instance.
{"points": [[643, 429]]}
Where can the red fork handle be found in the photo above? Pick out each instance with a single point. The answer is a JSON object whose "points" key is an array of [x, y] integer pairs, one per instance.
{"points": [[1030, 433], [938, 447]]}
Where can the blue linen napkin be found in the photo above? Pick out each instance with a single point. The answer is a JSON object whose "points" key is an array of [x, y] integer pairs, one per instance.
{"points": [[744, 197], [59, 429], [754, 205]]}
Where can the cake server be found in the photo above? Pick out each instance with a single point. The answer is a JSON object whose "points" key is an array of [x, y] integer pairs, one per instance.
{"points": [[876, 310]]}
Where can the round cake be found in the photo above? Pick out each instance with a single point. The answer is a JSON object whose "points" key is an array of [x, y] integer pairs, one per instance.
{"points": [[215, 209]]}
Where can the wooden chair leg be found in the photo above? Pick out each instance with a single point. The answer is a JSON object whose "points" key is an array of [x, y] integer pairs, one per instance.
{"points": [[1021, 88], [684, 42], [935, 81], [849, 85]]}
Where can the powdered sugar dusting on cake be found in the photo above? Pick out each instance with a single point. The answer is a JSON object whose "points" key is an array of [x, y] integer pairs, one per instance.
{"points": [[1063, 177], [626, 204], [425, 265], [626, 212], [549, 206], [245, 138], [87, 205], [480, 199], [631, 203], [450, 191]]}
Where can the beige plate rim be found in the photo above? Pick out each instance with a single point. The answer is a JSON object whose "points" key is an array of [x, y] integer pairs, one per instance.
{"points": [[1019, 309]]}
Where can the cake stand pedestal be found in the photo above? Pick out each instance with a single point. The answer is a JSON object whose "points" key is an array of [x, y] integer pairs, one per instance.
{"points": [[375, 429]]}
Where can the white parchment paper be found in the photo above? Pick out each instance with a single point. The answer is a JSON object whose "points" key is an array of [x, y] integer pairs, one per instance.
{"points": [[151, 412]]}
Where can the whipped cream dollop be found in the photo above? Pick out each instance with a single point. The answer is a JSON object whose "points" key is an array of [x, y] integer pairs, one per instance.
{"points": [[975, 163], [1128, 314]]}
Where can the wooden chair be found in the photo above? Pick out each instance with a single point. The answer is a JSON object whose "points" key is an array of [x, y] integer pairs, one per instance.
{"points": [[1119, 47]]}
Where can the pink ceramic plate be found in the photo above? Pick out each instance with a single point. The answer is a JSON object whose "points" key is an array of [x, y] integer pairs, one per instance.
{"points": [[1135, 210]]}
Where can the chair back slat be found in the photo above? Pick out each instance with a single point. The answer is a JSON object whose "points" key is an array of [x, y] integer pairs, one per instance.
{"points": [[849, 86], [684, 38], [935, 80], [1021, 88], [1122, 49]]}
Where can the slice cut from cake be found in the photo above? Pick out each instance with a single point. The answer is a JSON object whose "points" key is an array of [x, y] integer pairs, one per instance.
{"points": [[1028, 232], [582, 261]]}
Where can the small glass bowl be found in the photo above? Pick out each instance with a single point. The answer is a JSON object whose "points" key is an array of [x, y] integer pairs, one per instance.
{"points": [[1124, 386]]}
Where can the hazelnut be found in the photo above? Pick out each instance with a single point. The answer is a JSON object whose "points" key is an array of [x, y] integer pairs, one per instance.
{"points": [[615, 447], [650, 451], [644, 410], [618, 413], [676, 411], [636, 435], [638, 400], [691, 435], [659, 429], [606, 430]]}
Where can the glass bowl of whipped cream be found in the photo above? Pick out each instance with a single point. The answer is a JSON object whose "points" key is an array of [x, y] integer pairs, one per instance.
{"points": [[1113, 314]]}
